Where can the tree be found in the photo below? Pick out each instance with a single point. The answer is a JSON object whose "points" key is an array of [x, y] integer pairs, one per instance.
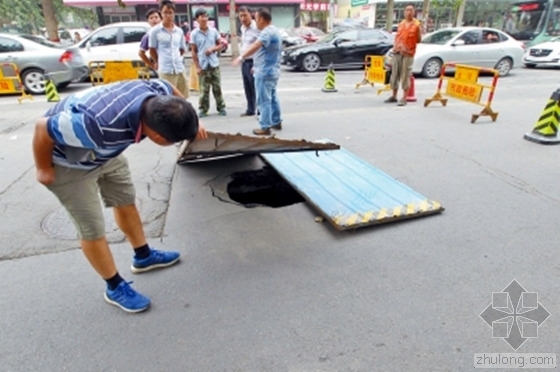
{"points": [[233, 30], [390, 11], [50, 19]]}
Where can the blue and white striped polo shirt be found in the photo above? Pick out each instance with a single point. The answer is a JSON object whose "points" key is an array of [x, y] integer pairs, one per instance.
{"points": [[96, 125]]}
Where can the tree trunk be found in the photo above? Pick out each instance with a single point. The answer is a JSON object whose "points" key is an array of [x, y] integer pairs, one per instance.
{"points": [[390, 10], [460, 13], [50, 19], [425, 15], [233, 30]]}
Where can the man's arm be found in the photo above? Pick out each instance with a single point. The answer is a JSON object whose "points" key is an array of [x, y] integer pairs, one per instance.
{"points": [[249, 52], [152, 44], [43, 146], [143, 57]]}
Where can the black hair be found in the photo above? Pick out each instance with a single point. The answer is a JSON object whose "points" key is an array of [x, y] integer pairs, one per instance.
{"points": [[199, 12], [264, 13], [152, 11], [243, 8], [166, 3], [172, 117]]}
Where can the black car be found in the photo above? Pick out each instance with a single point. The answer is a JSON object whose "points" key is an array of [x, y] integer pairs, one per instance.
{"points": [[342, 49]]}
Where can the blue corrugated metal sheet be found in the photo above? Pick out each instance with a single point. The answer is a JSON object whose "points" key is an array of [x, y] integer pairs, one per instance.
{"points": [[347, 191]]}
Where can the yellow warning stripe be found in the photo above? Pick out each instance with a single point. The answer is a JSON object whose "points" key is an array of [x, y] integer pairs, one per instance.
{"points": [[384, 213]]}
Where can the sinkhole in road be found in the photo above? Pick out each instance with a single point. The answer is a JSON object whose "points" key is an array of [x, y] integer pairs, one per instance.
{"points": [[262, 186]]}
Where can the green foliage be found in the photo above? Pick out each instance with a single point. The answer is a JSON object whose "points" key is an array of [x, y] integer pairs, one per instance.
{"points": [[439, 4], [28, 17]]}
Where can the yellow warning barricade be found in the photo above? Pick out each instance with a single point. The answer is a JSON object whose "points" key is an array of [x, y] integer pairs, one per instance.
{"points": [[375, 72], [464, 85], [105, 72], [10, 81]]}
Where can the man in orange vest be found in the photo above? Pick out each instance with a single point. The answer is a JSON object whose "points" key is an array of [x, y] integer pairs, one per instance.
{"points": [[408, 35]]}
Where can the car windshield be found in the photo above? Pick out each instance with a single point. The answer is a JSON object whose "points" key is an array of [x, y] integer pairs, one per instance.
{"points": [[440, 37], [40, 40], [525, 20]]}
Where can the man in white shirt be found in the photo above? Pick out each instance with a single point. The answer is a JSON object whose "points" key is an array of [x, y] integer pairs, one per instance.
{"points": [[249, 34]]}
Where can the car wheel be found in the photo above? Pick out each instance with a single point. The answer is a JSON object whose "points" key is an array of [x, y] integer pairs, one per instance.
{"points": [[530, 65], [432, 68], [34, 81], [503, 66], [311, 62]]}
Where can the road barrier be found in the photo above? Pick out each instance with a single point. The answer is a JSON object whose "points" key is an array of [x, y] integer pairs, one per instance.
{"points": [[10, 81], [329, 86], [545, 130], [375, 72], [464, 85], [50, 90], [105, 72]]}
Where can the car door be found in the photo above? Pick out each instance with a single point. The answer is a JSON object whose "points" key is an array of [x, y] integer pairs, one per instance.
{"points": [[131, 36], [346, 48], [370, 42], [492, 48], [101, 45], [10, 50], [464, 49]]}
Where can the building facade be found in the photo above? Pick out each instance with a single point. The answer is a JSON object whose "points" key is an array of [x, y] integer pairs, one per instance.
{"points": [[285, 13]]}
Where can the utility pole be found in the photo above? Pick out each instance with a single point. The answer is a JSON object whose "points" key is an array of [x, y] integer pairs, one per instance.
{"points": [[425, 15], [233, 30]]}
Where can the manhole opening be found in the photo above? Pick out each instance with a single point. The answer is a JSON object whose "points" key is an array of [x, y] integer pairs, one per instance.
{"points": [[262, 187]]}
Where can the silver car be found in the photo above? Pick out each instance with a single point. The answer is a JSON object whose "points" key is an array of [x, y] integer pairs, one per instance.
{"points": [[476, 46], [35, 58]]}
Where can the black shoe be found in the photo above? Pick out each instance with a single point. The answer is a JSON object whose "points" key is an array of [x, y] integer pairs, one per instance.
{"points": [[276, 126], [261, 132], [247, 114]]}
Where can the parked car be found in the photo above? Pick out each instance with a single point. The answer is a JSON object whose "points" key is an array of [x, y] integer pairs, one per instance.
{"points": [[309, 34], [543, 54], [290, 38], [477, 46], [113, 42], [342, 49], [34, 60]]}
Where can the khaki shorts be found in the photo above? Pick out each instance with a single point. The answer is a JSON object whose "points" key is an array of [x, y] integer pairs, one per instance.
{"points": [[400, 71], [178, 80], [78, 190]]}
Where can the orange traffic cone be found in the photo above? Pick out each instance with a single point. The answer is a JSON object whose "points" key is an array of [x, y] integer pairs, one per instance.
{"points": [[411, 94]]}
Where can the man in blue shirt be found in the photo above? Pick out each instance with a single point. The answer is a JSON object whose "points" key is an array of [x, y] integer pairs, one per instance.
{"points": [[266, 61], [77, 147], [205, 45], [167, 46]]}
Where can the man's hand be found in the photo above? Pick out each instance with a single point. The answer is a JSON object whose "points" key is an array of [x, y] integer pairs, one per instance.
{"points": [[199, 71], [237, 61], [45, 175], [209, 51], [201, 132]]}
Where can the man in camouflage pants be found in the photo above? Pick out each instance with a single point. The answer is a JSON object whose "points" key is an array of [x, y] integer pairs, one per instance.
{"points": [[205, 45]]}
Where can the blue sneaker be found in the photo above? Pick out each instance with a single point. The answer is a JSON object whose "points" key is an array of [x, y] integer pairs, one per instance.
{"points": [[127, 298], [156, 260]]}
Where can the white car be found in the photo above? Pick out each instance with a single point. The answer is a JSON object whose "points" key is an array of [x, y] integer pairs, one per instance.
{"points": [[113, 42], [476, 46], [543, 54]]}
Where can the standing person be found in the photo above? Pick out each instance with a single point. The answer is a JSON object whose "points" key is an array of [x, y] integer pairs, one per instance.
{"points": [[77, 147], [205, 45], [408, 36], [154, 18], [167, 46], [267, 50], [249, 34]]}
